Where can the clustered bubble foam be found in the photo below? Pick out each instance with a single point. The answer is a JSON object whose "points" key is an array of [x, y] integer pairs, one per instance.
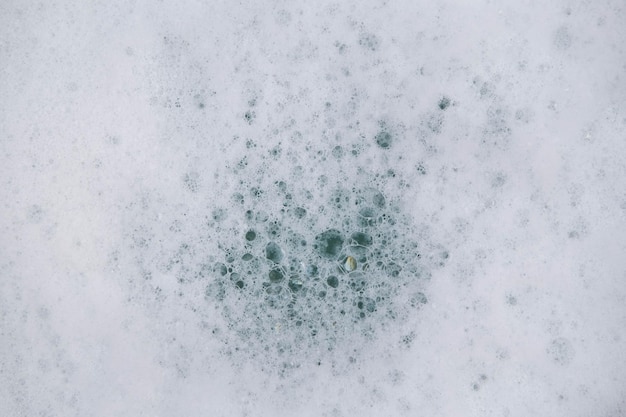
{"points": [[300, 263], [301, 276]]}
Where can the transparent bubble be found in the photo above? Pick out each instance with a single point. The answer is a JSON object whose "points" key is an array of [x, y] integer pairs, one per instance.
{"points": [[274, 253], [357, 281], [418, 299], [221, 269], [274, 229], [299, 212], [367, 304], [393, 269], [332, 281], [384, 139], [329, 243], [361, 238], [295, 284], [337, 152], [276, 275]]}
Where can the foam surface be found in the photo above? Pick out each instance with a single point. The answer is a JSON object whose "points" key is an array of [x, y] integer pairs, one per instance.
{"points": [[321, 209]]}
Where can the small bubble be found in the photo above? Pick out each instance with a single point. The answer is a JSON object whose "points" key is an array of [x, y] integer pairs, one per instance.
{"points": [[511, 300], [276, 151], [192, 181], [393, 269], [249, 117], [361, 238], [274, 229], [256, 192], [357, 281], [299, 212], [221, 268], [418, 299], [219, 214], [444, 103], [384, 139], [332, 281], [337, 152], [369, 41], [237, 198], [366, 304], [261, 217], [367, 217], [295, 284], [311, 270], [276, 275]]}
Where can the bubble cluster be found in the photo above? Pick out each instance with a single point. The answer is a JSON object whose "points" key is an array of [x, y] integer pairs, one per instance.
{"points": [[294, 252], [301, 277]]}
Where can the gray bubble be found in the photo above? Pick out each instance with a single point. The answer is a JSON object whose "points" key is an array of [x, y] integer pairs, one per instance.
{"points": [[418, 299], [295, 240], [369, 41], [332, 281], [274, 253], [337, 152], [237, 198], [221, 269], [367, 217], [393, 269], [299, 212], [274, 229], [276, 275], [367, 304], [357, 281], [250, 235], [384, 139], [219, 214], [444, 103], [329, 243], [261, 217], [249, 116], [295, 284], [362, 239], [340, 198]]}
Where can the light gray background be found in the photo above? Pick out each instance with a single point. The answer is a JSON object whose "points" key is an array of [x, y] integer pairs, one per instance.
{"points": [[101, 129]]}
